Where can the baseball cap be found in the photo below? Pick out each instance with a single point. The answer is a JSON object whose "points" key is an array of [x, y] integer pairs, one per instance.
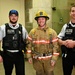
{"points": [[13, 12]]}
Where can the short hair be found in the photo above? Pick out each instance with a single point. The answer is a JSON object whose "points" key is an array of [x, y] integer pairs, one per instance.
{"points": [[72, 6]]}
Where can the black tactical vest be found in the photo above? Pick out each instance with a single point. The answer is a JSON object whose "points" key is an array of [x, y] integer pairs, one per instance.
{"points": [[13, 39], [69, 34]]}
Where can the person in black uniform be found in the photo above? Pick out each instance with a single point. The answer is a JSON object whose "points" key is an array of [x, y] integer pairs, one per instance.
{"points": [[67, 42], [12, 36]]}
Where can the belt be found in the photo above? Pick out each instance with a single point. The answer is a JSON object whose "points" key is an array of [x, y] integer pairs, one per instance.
{"points": [[42, 56]]}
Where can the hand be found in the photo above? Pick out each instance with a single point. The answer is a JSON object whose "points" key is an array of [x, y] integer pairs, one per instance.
{"points": [[1, 59], [30, 60], [65, 43], [70, 43], [53, 62]]}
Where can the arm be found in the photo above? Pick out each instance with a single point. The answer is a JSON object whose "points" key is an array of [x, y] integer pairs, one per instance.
{"points": [[67, 43], [61, 42], [1, 54], [29, 51], [2, 34], [25, 33], [29, 48], [70, 43], [0, 40], [55, 50]]}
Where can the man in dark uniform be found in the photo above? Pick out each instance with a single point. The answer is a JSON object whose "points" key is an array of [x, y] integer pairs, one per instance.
{"points": [[12, 36], [67, 42]]}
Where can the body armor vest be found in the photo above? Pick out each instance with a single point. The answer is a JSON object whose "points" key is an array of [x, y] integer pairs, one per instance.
{"points": [[13, 39], [69, 34]]}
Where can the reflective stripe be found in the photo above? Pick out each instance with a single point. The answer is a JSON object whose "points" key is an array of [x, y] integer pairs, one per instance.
{"points": [[54, 40], [29, 38], [42, 57], [28, 51], [12, 51], [42, 41], [45, 57], [56, 54]]}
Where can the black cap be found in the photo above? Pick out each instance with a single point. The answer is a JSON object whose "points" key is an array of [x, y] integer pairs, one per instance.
{"points": [[13, 12]]}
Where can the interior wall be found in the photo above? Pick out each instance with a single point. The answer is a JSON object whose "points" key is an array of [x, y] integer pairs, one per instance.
{"points": [[60, 14], [71, 2], [28, 7], [7, 5], [42, 5], [32, 7]]}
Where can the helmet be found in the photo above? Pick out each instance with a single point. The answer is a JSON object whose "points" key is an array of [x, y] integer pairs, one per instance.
{"points": [[41, 14], [13, 12]]}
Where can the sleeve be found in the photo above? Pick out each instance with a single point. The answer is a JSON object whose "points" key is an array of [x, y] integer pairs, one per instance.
{"points": [[2, 32], [62, 32], [25, 33], [56, 49], [29, 45]]}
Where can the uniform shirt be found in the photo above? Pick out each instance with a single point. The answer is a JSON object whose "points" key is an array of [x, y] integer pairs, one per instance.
{"points": [[3, 33], [62, 33]]}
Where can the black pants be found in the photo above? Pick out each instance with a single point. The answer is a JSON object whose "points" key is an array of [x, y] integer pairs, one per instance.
{"points": [[11, 59], [68, 63]]}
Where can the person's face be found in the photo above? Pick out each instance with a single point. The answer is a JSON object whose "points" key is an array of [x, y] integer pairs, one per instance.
{"points": [[41, 21], [72, 13], [13, 19]]}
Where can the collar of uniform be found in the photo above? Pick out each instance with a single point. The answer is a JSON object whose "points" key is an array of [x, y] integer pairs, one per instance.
{"points": [[71, 24], [43, 28], [16, 26]]}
